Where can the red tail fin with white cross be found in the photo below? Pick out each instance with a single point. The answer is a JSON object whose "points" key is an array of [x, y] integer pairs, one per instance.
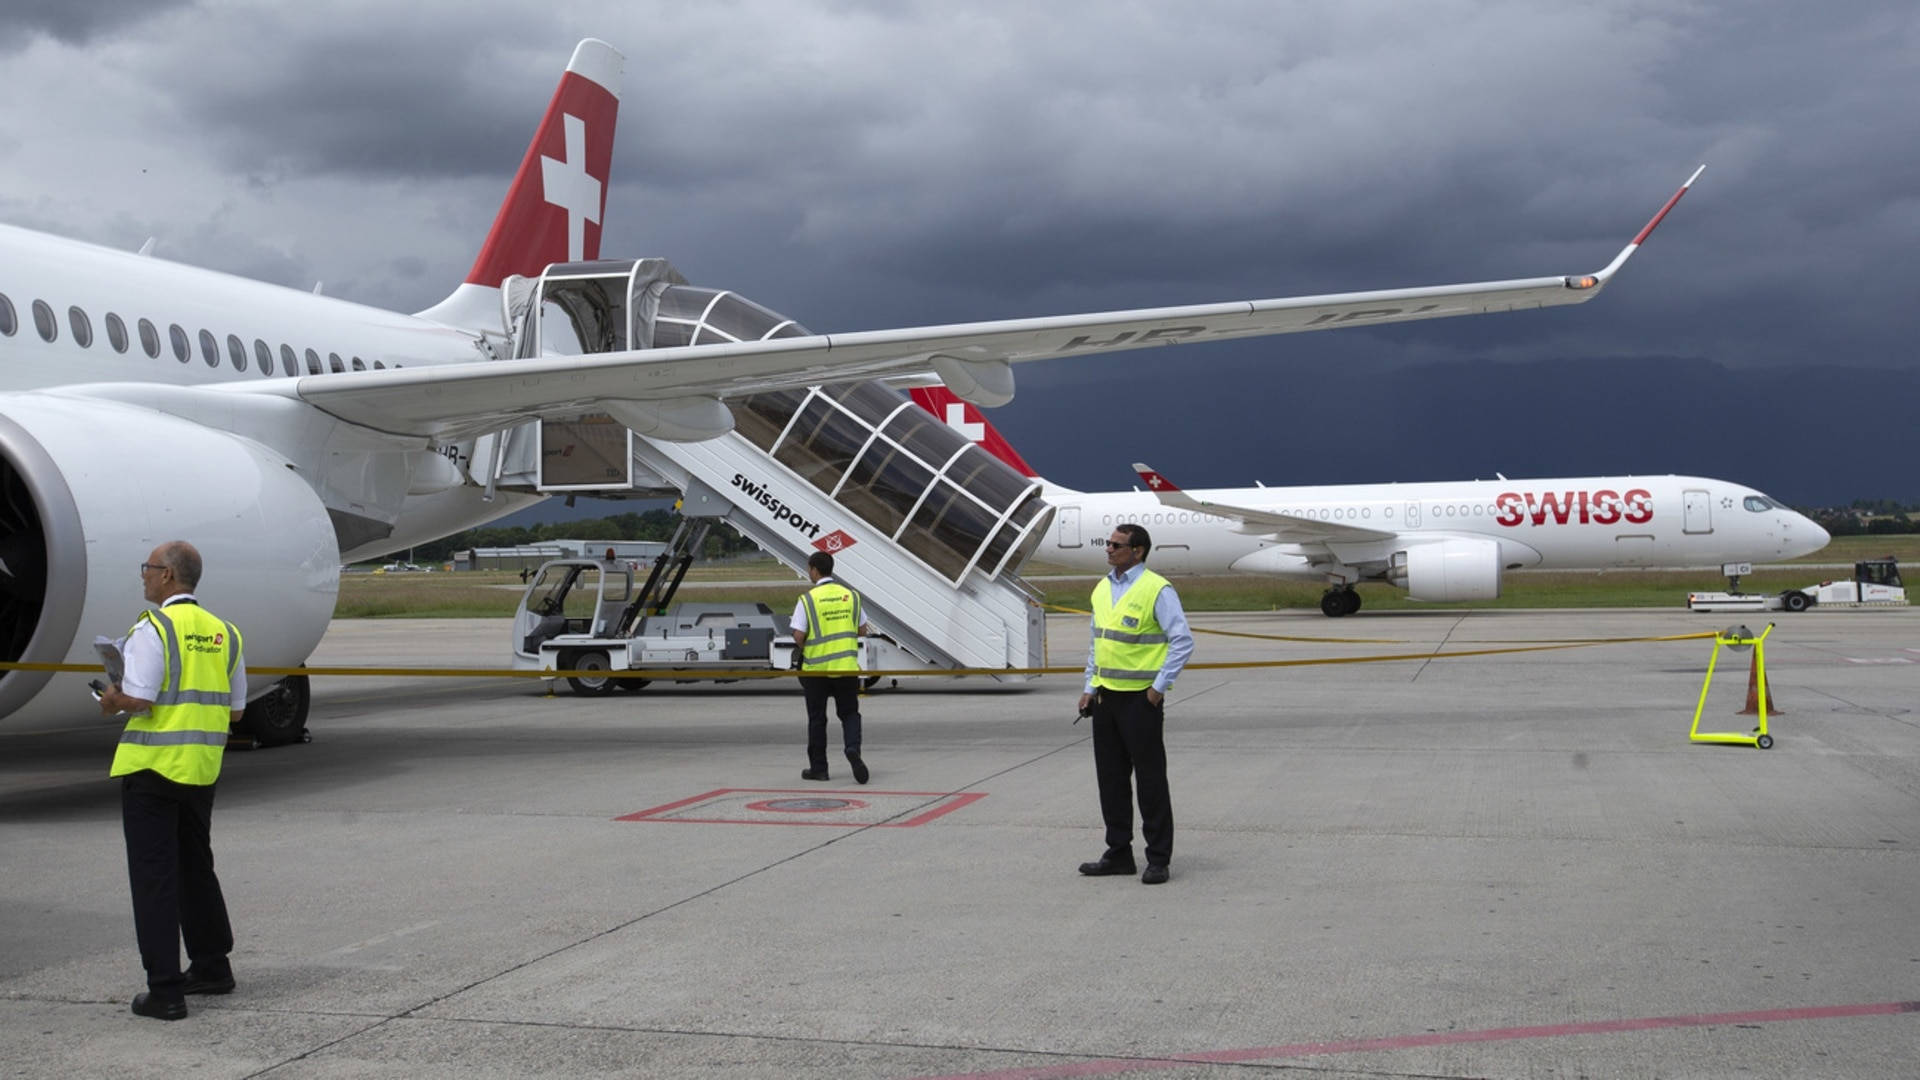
{"points": [[969, 421], [553, 209]]}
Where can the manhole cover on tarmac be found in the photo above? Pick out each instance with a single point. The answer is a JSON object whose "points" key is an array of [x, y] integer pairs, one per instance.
{"points": [[752, 806]]}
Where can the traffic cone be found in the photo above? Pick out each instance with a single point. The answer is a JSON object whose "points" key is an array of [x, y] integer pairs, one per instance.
{"points": [[1753, 692]]}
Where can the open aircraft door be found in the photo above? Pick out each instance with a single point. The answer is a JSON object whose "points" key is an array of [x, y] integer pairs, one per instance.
{"points": [[1697, 511]]}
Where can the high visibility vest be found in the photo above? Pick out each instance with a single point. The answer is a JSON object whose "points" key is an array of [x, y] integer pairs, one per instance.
{"points": [[1129, 645], [185, 733], [833, 629]]}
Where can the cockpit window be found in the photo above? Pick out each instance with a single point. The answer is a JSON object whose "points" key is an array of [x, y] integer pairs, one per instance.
{"points": [[1760, 503]]}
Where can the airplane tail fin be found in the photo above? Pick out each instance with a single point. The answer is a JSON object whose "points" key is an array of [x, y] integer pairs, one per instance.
{"points": [[968, 420], [553, 209]]}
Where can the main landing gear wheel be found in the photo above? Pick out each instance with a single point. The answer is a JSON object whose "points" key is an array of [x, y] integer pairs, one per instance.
{"points": [[590, 685], [279, 716], [1337, 602]]}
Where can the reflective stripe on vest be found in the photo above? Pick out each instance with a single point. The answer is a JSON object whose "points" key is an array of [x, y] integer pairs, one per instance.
{"points": [[833, 629], [182, 737], [1129, 645]]}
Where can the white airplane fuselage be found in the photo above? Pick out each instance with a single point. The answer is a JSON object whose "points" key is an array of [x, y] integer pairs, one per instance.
{"points": [[1586, 523], [178, 311]]}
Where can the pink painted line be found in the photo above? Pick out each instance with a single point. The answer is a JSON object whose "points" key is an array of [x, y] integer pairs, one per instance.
{"points": [[1110, 1066]]}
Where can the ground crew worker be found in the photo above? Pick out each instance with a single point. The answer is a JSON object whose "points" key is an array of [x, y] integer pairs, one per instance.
{"points": [[1140, 643], [827, 626], [185, 682]]}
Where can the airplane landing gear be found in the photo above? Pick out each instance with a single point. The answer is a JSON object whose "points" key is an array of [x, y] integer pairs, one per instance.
{"points": [[1339, 601], [279, 716]]}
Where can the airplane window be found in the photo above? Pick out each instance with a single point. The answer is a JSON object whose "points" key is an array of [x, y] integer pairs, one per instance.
{"points": [[359, 364], [289, 362], [237, 352], [1755, 503], [44, 322], [333, 363], [378, 366], [116, 332], [149, 339], [182, 348], [209, 349], [263, 355], [9, 322], [82, 326], [313, 363]]}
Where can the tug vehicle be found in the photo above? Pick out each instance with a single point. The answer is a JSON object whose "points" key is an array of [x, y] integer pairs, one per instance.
{"points": [[1875, 583]]}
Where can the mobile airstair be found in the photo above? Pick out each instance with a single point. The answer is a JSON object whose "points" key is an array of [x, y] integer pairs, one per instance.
{"points": [[928, 527]]}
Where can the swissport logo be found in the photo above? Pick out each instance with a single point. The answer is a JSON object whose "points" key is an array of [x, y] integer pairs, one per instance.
{"points": [[835, 541]]}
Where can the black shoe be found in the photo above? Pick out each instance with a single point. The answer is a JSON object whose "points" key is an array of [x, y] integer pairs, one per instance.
{"points": [[145, 1004], [859, 768], [1107, 866], [200, 984], [1154, 875], [813, 774]]}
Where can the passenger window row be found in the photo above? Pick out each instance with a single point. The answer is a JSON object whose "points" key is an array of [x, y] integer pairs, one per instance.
{"points": [[47, 324]]}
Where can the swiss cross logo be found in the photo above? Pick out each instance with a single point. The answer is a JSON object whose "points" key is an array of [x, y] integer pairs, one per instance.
{"points": [[835, 541], [565, 183]]}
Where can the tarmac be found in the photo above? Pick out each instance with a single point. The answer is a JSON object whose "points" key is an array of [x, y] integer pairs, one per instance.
{"points": [[1513, 864]]}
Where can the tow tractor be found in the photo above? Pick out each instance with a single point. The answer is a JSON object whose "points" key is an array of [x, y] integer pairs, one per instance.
{"points": [[585, 615], [1875, 583]]}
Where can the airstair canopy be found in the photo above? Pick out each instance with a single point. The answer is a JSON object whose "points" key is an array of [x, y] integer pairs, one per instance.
{"points": [[912, 478]]}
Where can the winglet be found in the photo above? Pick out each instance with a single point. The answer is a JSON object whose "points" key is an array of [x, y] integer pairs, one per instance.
{"points": [[1154, 481], [1595, 281]]}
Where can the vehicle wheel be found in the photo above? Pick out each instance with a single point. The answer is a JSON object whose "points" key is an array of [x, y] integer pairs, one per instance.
{"points": [[590, 685], [1764, 742], [632, 684], [1333, 603], [279, 716], [1796, 600]]}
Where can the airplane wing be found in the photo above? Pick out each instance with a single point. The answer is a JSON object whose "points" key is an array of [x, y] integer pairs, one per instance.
{"points": [[457, 400], [1287, 528]]}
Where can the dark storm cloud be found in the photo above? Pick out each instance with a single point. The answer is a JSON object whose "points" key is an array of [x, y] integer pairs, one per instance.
{"points": [[362, 99], [74, 22]]}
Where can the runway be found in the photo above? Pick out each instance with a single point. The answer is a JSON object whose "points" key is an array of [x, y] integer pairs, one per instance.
{"points": [[1510, 865]]}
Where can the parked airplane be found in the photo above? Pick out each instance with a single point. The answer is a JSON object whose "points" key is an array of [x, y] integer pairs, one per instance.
{"points": [[1438, 541], [283, 431]]}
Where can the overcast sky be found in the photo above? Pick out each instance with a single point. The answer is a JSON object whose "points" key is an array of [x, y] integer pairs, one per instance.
{"points": [[857, 165]]}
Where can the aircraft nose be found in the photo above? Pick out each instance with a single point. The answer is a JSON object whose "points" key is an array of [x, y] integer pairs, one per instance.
{"points": [[1800, 525]]}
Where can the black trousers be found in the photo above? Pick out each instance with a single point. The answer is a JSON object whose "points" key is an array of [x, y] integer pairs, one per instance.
{"points": [[169, 831], [845, 692], [1129, 752]]}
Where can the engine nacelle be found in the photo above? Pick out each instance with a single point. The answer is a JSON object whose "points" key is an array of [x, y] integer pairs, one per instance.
{"points": [[1461, 569], [89, 488]]}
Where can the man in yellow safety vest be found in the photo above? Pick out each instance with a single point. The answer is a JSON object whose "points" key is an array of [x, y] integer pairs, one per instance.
{"points": [[827, 625], [184, 684], [1140, 643]]}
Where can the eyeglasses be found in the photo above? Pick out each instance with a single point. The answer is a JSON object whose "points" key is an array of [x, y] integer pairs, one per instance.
{"points": [[1111, 546], [146, 566]]}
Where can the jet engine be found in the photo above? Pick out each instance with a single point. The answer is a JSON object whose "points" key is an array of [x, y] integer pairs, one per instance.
{"points": [[1458, 569], [88, 488]]}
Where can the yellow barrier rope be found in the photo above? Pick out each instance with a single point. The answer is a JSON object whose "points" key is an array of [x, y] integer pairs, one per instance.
{"points": [[683, 674]]}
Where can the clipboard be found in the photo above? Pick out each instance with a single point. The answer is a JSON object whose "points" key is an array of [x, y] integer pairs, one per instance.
{"points": [[111, 658]]}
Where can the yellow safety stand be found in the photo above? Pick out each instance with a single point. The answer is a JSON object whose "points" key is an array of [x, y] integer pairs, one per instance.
{"points": [[1737, 637]]}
